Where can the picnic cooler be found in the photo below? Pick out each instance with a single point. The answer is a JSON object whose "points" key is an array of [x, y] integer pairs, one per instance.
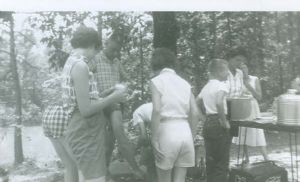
{"points": [[266, 171]]}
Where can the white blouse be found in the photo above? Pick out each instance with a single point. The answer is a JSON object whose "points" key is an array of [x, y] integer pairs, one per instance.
{"points": [[175, 94], [235, 84]]}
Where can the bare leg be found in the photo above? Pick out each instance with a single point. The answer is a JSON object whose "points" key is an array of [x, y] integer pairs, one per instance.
{"points": [[264, 152], [179, 174], [71, 171], [164, 175], [110, 145], [125, 147]]}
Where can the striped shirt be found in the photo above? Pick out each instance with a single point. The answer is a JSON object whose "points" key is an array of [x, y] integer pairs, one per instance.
{"points": [[235, 84]]}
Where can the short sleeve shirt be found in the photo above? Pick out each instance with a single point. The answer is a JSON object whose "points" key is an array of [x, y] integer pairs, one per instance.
{"points": [[107, 72], [209, 95], [143, 114], [175, 94]]}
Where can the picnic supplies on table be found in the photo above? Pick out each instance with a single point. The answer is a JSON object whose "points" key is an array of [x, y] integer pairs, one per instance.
{"points": [[288, 108]]}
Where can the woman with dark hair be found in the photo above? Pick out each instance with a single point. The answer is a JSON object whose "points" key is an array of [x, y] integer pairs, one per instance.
{"points": [[85, 134], [252, 137], [174, 114]]}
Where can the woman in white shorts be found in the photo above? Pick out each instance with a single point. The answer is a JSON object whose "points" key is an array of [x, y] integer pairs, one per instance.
{"points": [[174, 114]]}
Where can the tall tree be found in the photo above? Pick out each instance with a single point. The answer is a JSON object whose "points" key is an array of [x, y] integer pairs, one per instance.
{"points": [[279, 57], [260, 47], [100, 27], [19, 158], [165, 30]]}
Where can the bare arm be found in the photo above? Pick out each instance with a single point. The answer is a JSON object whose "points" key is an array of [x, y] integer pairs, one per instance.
{"points": [[193, 115], [255, 92], [107, 92], [156, 112], [201, 108], [220, 107], [143, 139], [80, 77]]}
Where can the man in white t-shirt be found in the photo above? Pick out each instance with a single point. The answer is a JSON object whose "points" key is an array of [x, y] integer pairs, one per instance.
{"points": [[141, 121]]}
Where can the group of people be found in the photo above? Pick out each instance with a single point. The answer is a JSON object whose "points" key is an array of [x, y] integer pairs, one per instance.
{"points": [[84, 128]]}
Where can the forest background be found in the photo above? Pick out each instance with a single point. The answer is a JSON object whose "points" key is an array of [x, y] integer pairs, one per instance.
{"points": [[32, 50]]}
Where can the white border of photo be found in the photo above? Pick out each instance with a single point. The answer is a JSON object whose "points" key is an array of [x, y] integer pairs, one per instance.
{"points": [[149, 5]]}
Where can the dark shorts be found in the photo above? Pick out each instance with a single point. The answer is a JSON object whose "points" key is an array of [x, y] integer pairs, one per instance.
{"points": [[86, 139]]}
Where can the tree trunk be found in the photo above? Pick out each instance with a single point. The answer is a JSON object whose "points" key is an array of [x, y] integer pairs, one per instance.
{"points": [[229, 28], [291, 44], [260, 46], [19, 158], [297, 45], [213, 34], [196, 57], [141, 54], [278, 53], [99, 28], [165, 30]]}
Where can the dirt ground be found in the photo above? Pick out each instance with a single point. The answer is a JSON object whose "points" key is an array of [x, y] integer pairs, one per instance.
{"points": [[42, 165]]}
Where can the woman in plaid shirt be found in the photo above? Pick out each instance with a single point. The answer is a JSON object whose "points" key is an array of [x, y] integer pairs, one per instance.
{"points": [[85, 133]]}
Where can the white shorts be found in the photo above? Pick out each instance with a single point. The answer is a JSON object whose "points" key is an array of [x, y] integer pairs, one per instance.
{"points": [[176, 143]]}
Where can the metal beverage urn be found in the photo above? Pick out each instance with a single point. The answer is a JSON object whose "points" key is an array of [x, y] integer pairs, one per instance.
{"points": [[288, 108]]}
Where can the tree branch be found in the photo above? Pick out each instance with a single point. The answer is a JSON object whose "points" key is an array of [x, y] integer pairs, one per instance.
{"points": [[5, 51]]}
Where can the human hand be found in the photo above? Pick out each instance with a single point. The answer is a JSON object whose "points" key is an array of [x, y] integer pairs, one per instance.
{"points": [[120, 94], [159, 156], [225, 124], [246, 83], [200, 155]]}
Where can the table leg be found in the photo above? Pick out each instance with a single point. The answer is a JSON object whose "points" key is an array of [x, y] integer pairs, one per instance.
{"points": [[296, 148], [245, 138], [239, 147], [291, 152]]}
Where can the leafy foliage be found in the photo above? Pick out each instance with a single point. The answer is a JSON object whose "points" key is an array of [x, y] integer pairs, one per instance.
{"points": [[272, 39]]}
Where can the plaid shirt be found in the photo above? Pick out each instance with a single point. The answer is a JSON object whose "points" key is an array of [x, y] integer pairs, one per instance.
{"points": [[56, 117], [107, 72]]}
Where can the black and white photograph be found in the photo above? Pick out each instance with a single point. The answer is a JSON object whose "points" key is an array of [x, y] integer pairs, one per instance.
{"points": [[149, 94]]}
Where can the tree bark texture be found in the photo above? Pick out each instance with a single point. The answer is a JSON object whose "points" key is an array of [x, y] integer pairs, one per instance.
{"points": [[165, 30], [19, 158], [99, 28], [279, 56]]}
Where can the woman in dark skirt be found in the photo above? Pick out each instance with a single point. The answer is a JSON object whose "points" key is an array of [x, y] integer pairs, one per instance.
{"points": [[85, 134]]}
